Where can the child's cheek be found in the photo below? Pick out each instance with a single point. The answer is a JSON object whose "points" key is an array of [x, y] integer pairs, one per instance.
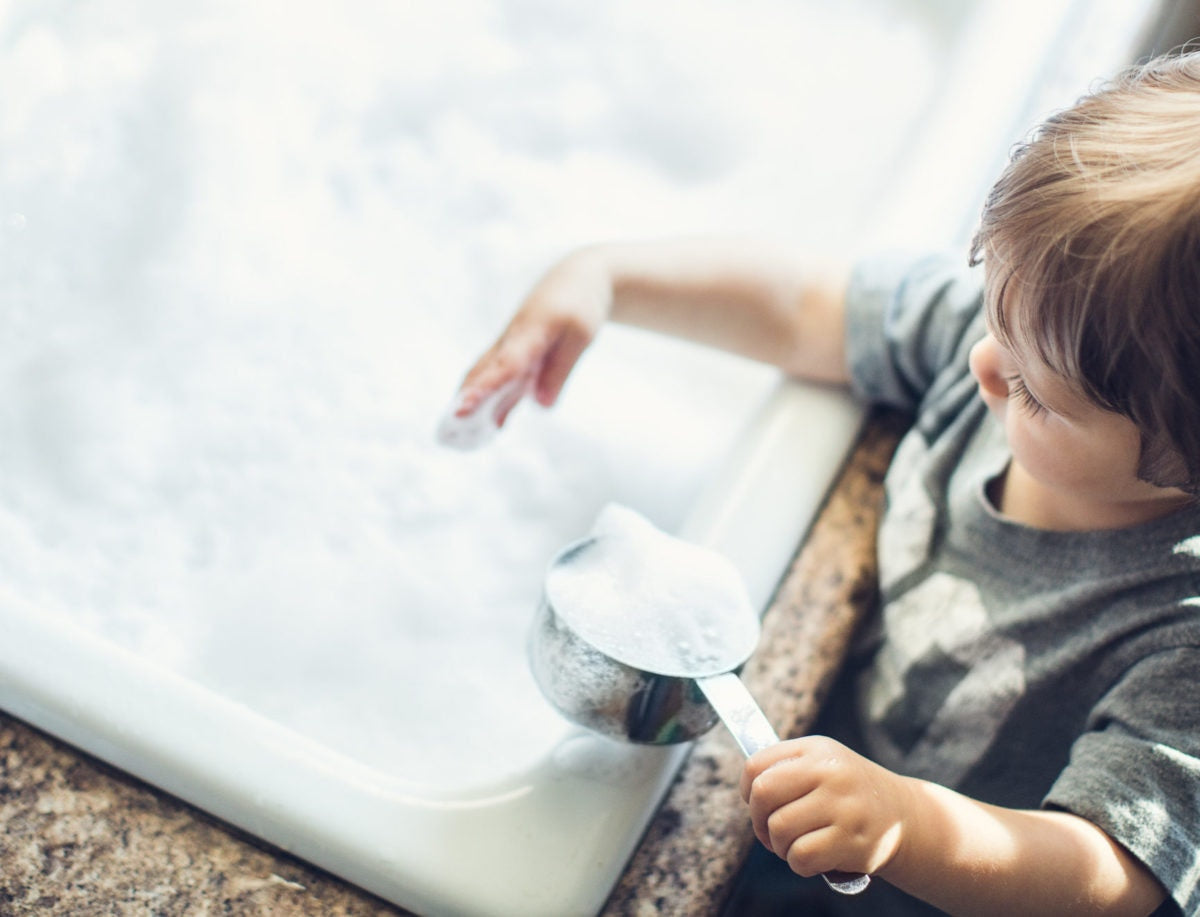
{"points": [[1045, 456], [995, 404]]}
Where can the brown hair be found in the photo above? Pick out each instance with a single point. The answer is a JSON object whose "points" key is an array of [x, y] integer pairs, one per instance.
{"points": [[1091, 238]]}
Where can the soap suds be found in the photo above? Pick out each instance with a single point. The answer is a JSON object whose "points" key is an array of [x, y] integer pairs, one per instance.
{"points": [[240, 277], [652, 601]]}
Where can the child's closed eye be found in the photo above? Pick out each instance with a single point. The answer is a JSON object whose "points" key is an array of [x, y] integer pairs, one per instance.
{"points": [[1020, 391]]}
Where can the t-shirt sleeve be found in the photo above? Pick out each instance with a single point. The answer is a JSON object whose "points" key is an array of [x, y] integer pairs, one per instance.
{"points": [[906, 320], [1136, 772]]}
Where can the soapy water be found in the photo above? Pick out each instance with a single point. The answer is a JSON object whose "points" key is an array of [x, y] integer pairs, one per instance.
{"points": [[246, 253]]}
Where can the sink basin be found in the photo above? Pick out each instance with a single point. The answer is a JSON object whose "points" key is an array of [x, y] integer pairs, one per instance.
{"points": [[411, 841]]}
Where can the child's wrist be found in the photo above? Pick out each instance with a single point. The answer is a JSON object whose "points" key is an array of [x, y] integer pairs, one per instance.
{"points": [[917, 805], [595, 259]]}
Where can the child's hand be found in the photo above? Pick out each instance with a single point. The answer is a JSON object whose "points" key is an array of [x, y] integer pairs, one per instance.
{"points": [[537, 351], [823, 808]]}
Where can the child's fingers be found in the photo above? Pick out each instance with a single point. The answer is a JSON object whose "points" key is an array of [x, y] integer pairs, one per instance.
{"points": [[490, 390], [517, 355], [761, 761], [786, 825], [802, 830], [535, 354], [813, 852], [560, 358], [780, 800], [509, 395]]}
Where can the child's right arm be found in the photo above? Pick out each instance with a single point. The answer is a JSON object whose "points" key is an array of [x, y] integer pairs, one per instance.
{"points": [[821, 807], [763, 304]]}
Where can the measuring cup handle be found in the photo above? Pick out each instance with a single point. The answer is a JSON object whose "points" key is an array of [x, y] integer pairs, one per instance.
{"points": [[753, 732], [847, 883], [739, 711]]}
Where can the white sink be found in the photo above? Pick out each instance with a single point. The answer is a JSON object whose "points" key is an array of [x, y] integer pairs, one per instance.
{"points": [[545, 838]]}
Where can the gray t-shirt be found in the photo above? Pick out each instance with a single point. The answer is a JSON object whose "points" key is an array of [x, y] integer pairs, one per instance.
{"points": [[1021, 667]]}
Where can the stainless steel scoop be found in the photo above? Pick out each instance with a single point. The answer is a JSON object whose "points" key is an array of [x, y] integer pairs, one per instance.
{"points": [[639, 635]]}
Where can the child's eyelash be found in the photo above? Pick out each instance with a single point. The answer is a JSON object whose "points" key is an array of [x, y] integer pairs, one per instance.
{"points": [[1017, 389]]}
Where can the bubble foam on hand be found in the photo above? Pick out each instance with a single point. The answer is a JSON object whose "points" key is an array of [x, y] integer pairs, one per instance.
{"points": [[477, 427]]}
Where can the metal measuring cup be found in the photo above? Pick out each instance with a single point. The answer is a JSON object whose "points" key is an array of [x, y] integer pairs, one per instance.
{"points": [[656, 688]]}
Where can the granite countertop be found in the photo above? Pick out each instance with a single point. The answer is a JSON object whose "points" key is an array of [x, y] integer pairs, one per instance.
{"points": [[84, 839], [81, 838]]}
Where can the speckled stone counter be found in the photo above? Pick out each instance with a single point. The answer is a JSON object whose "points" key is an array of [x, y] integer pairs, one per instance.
{"points": [[80, 838]]}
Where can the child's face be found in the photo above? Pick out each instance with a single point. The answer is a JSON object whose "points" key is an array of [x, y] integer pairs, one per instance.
{"points": [[1082, 458]]}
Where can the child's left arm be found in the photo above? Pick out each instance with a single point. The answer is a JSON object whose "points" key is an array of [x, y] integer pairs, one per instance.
{"points": [[822, 807]]}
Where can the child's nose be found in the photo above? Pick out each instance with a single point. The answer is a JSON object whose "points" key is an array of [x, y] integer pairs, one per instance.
{"points": [[984, 361]]}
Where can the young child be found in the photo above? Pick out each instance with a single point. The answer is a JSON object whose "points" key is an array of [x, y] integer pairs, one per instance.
{"points": [[1018, 729]]}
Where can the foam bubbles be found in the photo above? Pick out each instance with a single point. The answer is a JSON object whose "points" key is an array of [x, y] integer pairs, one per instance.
{"points": [[653, 601], [239, 278]]}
